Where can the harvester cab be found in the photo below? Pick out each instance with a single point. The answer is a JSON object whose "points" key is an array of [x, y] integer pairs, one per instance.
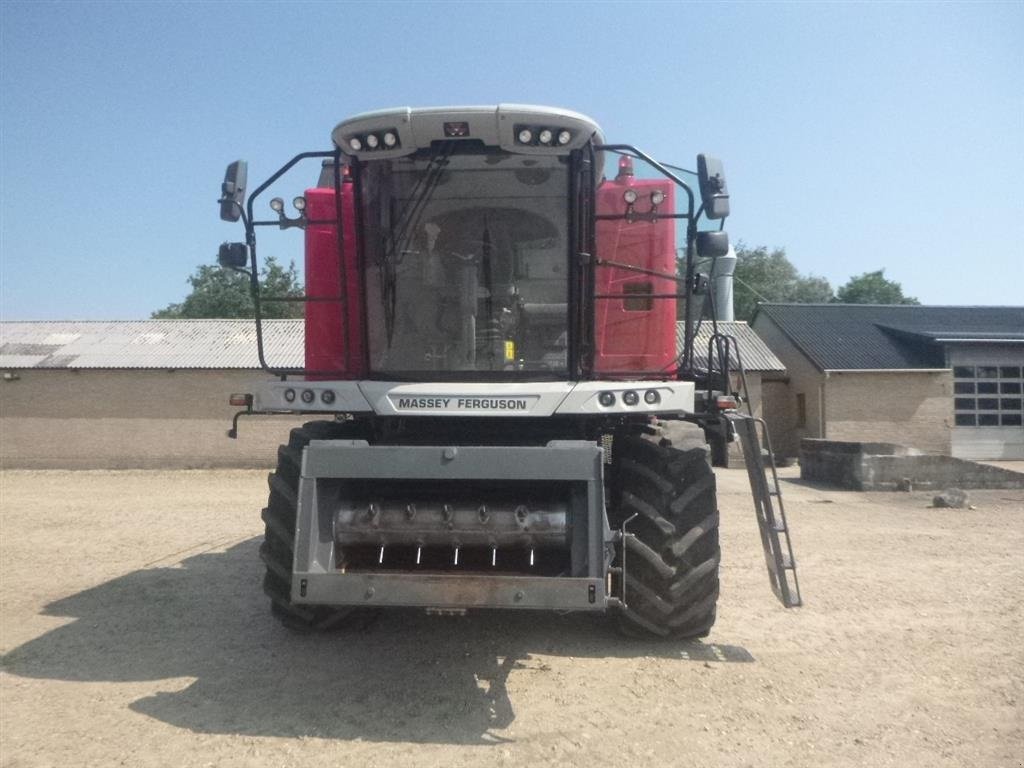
{"points": [[506, 415]]}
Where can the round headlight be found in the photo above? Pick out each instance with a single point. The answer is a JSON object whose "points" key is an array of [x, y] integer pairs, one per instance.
{"points": [[629, 196], [657, 197], [277, 205], [525, 136], [545, 136], [652, 396], [289, 395], [299, 203], [390, 139], [564, 137], [327, 396], [607, 399], [372, 141], [308, 396], [355, 143], [629, 397]]}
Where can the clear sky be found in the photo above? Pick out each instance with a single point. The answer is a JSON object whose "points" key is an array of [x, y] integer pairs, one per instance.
{"points": [[856, 136]]}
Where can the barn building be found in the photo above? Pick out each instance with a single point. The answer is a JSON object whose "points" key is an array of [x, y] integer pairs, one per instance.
{"points": [[945, 380], [154, 393], [146, 393]]}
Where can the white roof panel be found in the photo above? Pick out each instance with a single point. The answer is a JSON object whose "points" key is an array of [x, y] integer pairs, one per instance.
{"points": [[149, 344]]}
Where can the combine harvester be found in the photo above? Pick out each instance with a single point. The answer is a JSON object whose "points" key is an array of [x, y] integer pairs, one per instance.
{"points": [[490, 349]]}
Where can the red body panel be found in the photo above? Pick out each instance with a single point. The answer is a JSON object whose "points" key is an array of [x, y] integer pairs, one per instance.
{"points": [[328, 336], [634, 335]]}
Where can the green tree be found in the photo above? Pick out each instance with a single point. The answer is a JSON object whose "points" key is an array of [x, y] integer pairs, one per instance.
{"points": [[763, 275], [873, 288], [224, 293]]}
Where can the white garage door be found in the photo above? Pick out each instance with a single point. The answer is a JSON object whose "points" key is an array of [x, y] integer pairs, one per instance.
{"points": [[988, 403]]}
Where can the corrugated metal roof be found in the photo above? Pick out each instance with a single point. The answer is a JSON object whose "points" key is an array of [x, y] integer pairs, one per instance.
{"points": [[212, 344], [755, 353], [149, 344], [877, 337]]}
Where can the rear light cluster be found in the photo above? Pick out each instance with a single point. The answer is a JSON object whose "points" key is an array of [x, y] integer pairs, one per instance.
{"points": [[541, 136], [308, 396], [378, 140], [630, 398]]}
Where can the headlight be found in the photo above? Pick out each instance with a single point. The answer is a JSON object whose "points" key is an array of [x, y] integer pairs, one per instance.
{"points": [[355, 143], [629, 196], [545, 136], [525, 136], [390, 139], [372, 141], [564, 137]]}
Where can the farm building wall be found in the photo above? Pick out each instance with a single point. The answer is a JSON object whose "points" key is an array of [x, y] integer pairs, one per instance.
{"points": [[911, 408], [130, 418]]}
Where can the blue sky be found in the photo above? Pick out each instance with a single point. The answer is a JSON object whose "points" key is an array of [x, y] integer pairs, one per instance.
{"points": [[857, 136]]}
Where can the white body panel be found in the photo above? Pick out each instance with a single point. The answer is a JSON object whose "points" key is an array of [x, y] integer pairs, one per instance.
{"points": [[467, 399]]}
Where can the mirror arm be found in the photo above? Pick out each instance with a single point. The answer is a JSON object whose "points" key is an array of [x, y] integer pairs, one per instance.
{"points": [[281, 172], [686, 359], [655, 164]]}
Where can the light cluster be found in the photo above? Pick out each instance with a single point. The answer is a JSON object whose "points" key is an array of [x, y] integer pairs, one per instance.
{"points": [[380, 140], [308, 396], [541, 136], [630, 398]]}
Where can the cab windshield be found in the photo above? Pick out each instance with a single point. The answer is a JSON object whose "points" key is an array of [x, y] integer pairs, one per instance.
{"points": [[466, 261]]}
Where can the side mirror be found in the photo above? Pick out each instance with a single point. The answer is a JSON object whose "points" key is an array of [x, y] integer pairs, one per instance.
{"points": [[713, 191], [233, 255], [712, 244], [232, 191]]}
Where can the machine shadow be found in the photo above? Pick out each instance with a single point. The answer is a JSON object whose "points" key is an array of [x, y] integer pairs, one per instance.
{"points": [[391, 676]]}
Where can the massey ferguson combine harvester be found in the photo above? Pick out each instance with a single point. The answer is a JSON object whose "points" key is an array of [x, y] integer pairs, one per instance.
{"points": [[490, 344]]}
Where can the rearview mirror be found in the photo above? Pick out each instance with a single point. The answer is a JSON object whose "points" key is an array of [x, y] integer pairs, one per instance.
{"points": [[712, 244], [233, 255], [714, 193], [232, 191]]}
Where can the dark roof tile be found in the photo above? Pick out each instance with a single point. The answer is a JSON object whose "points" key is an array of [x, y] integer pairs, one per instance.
{"points": [[872, 336]]}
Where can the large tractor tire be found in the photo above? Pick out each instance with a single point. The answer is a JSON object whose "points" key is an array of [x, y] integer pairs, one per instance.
{"points": [[278, 546], [671, 573]]}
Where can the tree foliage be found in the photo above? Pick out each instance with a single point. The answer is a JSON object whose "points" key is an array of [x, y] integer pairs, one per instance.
{"points": [[873, 288], [224, 293], [763, 275]]}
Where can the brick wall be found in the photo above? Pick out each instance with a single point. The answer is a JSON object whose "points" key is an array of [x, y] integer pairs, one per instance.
{"points": [[803, 379], [92, 419], [912, 408]]}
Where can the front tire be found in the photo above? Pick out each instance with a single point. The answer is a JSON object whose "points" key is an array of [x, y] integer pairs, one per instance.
{"points": [[672, 559], [278, 549]]}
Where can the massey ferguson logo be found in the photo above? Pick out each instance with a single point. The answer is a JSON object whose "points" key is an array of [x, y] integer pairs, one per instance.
{"points": [[463, 404]]}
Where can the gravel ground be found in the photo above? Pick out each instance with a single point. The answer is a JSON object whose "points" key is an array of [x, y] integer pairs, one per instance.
{"points": [[134, 633]]}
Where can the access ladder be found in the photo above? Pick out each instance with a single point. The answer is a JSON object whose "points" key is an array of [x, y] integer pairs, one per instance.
{"points": [[778, 549]]}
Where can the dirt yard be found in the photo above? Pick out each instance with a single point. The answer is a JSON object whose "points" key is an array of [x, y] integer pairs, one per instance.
{"points": [[134, 633]]}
